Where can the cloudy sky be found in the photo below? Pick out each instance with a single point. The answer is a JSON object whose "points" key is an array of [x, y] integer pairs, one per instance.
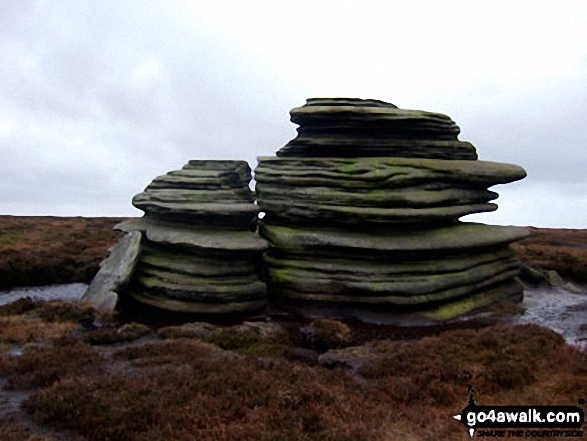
{"points": [[99, 97]]}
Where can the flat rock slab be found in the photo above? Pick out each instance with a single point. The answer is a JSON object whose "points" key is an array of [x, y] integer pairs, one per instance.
{"points": [[349, 146], [397, 285], [460, 236], [382, 173], [206, 175], [197, 307], [396, 265], [207, 196], [351, 114], [296, 213], [204, 238], [235, 214], [115, 272], [218, 293], [220, 265]]}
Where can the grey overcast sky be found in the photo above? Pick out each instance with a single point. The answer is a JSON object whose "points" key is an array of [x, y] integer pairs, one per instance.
{"points": [[97, 98]]}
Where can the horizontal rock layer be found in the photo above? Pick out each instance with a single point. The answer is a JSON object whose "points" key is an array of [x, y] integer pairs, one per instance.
{"points": [[377, 190], [345, 146], [198, 271], [319, 117], [203, 175], [186, 237], [374, 243], [346, 127], [411, 269]]}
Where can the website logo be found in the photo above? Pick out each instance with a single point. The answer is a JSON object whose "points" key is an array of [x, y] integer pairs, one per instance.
{"points": [[522, 421]]}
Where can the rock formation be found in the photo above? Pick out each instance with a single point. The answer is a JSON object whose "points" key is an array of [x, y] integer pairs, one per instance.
{"points": [[362, 211], [198, 251]]}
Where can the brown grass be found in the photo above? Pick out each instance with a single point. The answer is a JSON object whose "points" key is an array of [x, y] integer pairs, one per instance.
{"points": [[192, 390], [26, 321], [41, 366], [40, 250], [13, 429], [248, 342], [14, 330], [556, 249], [182, 388], [107, 335], [179, 389]]}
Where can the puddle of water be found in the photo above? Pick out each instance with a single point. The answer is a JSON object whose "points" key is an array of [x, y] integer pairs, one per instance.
{"points": [[558, 309], [70, 291]]}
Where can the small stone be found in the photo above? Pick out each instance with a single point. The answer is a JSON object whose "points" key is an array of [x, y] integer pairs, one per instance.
{"points": [[195, 330], [353, 358], [323, 334], [263, 331], [573, 288], [531, 275], [553, 278], [133, 331]]}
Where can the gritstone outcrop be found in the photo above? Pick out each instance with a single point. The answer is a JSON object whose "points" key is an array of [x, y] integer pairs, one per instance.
{"points": [[199, 253], [362, 211]]}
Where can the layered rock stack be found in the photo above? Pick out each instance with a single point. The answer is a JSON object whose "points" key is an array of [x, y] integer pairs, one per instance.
{"points": [[362, 212], [199, 253]]}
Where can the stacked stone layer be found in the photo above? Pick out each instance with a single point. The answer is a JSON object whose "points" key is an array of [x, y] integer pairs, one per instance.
{"points": [[377, 190], [371, 128], [199, 254], [214, 193], [362, 210], [413, 268]]}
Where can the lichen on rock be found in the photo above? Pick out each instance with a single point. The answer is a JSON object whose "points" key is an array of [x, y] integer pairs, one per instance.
{"points": [[362, 211]]}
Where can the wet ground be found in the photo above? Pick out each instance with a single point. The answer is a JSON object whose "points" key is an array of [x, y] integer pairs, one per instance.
{"points": [[560, 310], [557, 308], [70, 291]]}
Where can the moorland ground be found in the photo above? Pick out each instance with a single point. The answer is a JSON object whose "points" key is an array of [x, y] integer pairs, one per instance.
{"points": [[70, 373]]}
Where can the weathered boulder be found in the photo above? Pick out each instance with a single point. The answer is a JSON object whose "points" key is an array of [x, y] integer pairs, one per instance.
{"points": [[362, 212], [200, 254], [348, 127], [370, 118]]}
